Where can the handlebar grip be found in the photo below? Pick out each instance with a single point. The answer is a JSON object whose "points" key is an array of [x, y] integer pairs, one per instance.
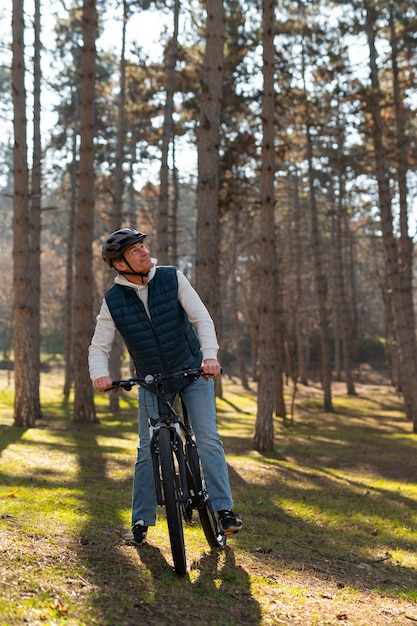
{"points": [[119, 384], [209, 373]]}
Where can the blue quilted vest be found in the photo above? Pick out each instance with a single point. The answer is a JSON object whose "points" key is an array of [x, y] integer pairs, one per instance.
{"points": [[164, 343]]}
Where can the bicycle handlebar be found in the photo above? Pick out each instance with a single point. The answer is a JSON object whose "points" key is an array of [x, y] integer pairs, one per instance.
{"points": [[128, 383]]}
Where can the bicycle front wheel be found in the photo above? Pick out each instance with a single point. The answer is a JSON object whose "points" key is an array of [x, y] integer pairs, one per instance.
{"points": [[172, 499]]}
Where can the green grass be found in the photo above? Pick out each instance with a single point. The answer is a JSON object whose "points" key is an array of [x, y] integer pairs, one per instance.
{"points": [[330, 520]]}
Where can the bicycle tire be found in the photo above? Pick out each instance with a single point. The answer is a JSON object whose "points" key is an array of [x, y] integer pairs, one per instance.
{"points": [[172, 499], [209, 521], [211, 527]]}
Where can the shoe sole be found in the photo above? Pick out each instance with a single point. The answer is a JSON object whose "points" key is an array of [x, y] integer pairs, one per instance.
{"points": [[134, 544], [231, 531], [131, 541]]}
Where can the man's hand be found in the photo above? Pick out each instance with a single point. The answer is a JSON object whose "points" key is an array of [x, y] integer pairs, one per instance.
{"points": [[212, 367], [103, 383]]}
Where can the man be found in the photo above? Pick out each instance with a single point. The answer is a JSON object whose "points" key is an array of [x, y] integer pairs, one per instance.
{"points": [[166, 328]]}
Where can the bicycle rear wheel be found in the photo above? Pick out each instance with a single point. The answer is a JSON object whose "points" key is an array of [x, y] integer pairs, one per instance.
{"points": [[211, 527], [172, 499], [209, 521]]}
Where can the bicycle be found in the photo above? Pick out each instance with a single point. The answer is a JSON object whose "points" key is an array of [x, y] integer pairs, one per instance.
{"points": [[178, 475]]}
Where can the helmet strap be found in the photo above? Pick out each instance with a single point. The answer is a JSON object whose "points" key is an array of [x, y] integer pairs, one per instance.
{"points": [[143, 275]]}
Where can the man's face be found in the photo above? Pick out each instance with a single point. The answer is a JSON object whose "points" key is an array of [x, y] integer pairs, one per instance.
{"points": [[138, 257]]}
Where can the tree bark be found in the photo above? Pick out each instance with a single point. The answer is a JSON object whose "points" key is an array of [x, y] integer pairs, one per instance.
{"points": [[26, 403], [206, 270], [264, 427], [116, 354], [405, 242], [397, 286], [35, 209], [84, 410], [321, 285], [207, 274], [162, 223], [342, 308], [69, 265], [299, 315]]}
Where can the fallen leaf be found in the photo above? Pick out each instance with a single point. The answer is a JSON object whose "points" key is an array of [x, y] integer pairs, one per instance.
{"points": [[60, 607]]}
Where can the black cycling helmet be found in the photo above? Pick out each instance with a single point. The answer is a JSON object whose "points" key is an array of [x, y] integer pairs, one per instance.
{"points": [[118, 242]]}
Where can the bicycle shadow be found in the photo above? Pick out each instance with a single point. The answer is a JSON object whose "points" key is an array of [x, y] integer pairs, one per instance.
{"points": [[153, 559], [218, 571], [218, 576]]}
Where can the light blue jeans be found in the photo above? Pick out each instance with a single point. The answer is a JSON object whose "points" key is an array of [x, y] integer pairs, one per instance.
{"points": [[199, 398]]}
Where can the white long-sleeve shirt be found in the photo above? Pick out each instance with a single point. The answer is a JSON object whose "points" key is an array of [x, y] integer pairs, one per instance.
{"points": [[101, 343]]}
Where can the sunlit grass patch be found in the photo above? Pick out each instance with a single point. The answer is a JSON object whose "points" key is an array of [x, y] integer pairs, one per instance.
{"points": [[408, 594], [357, 407], [236, 400]]}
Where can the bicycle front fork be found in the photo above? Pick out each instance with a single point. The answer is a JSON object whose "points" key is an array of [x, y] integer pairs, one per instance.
{"points": [[177, 449]]}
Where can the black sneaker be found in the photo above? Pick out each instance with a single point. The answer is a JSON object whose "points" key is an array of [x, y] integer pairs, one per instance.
{"points": [[229, 522], [137, 535]]}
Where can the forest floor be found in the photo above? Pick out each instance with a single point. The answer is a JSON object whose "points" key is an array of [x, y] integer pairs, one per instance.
{"points": [[330, 518]]}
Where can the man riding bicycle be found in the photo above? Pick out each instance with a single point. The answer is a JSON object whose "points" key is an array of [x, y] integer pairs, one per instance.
{"points": [[165, 327]]}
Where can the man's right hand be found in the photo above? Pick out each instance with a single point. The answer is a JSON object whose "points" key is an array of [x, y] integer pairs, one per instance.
{"points": [[102, 383]]}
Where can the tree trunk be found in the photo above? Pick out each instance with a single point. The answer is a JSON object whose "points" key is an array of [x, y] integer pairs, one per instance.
{"points": [[351, 288], [207, 273], [299, 316], [406, 242], [162, 222], [264, 426], [26, 403], [35, 210], [339, 278], [321, 285], [69, 266], [84, 410], [118, 174], [116, 354], [397, 286], [174, 207]]}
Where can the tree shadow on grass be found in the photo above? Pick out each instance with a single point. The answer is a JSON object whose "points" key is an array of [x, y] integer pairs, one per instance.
{"points": [[334, 505], [340, 529], [231, 405], [9, 435], [358, 448]]}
